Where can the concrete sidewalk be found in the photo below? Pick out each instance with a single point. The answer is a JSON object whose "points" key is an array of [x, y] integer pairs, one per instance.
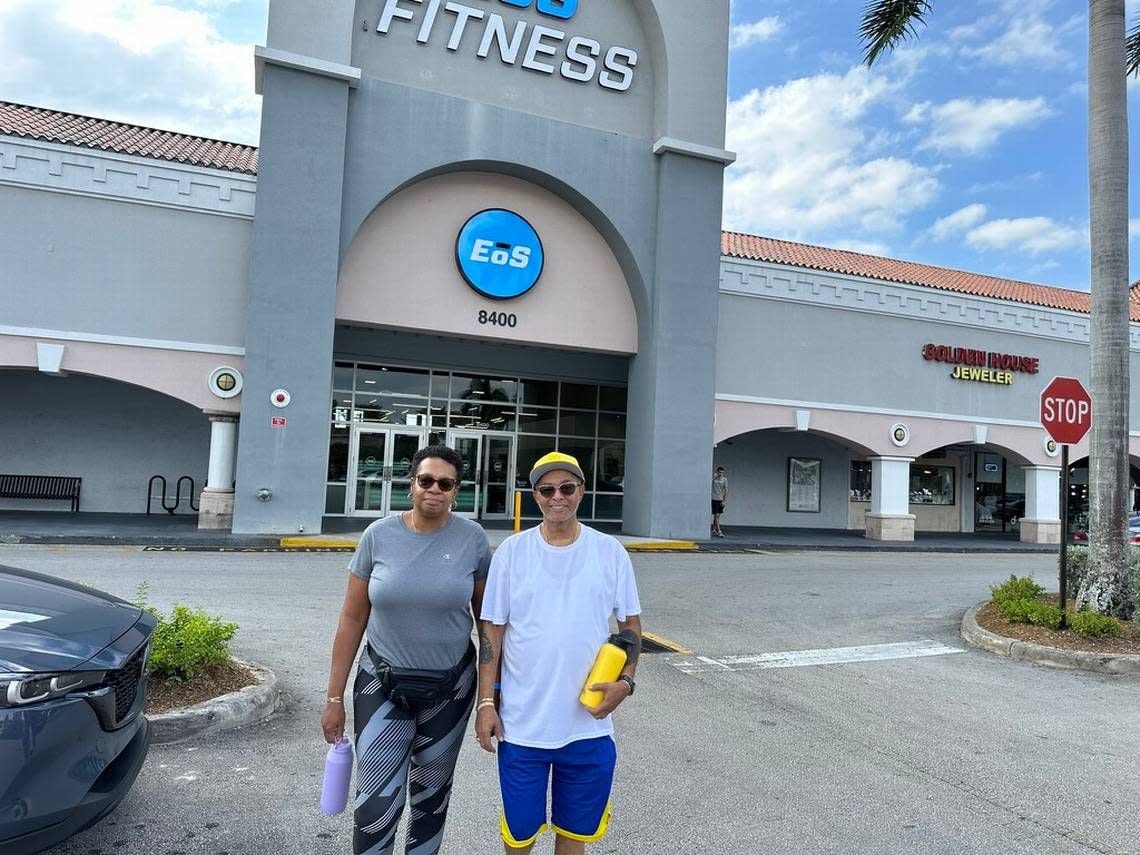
{"points": [[180, 532]]}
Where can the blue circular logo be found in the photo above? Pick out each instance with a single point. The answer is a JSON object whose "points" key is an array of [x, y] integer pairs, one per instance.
{"points": [[499, 254]]}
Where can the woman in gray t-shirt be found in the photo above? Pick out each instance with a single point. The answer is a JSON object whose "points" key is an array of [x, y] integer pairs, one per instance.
{"points": [[416, 584]]}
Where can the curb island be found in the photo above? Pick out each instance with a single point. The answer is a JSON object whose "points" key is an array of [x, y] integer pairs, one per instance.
{"points": [[226, 712], [1118, 664]]}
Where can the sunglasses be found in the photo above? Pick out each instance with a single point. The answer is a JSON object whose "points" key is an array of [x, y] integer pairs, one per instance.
{"points": [[426, 482], [566, 488]]}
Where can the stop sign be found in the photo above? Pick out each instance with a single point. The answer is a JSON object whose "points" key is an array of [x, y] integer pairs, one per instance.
{"points": [[1066, 410]]}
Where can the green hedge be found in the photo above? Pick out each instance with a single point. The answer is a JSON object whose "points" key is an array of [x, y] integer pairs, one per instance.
{"points": [[185, 641], [1022, 601]]}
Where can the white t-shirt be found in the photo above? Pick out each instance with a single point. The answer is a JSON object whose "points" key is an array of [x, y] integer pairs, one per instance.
{"points": [[556, 604]]}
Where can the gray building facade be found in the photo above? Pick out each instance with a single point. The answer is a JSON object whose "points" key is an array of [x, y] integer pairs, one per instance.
{"points": [[496, 225]]}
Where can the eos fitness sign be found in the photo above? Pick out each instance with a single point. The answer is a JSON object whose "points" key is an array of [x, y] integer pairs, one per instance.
{"points": [[499, 254], [533, 46]]}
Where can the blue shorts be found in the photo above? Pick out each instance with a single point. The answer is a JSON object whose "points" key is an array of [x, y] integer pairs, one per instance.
{"points": [[582, 774]]}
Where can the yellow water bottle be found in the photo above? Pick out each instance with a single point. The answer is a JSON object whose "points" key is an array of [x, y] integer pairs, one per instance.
{"points": [[611, 659]]}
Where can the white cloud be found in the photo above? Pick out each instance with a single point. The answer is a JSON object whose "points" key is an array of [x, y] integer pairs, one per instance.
{"points": [[959, 221], [971, 125], [150, 62], [1029, 234], [745, 35], [804, 171], [1028, 40]]}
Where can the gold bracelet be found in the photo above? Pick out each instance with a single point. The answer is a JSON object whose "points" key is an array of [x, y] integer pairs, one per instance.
{"points": [[339, 700], [485, 702]]}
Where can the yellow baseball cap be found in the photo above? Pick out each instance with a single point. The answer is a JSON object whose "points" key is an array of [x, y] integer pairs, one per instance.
{"points": [[552, 461]]}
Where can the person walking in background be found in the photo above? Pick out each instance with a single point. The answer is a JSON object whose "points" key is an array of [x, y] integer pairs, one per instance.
{"points": [[416, 582], [719, 499], [546, 614]]}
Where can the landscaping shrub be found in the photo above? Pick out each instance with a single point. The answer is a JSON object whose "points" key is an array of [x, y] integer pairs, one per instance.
{"points": [[187, 640], [1015, 590], [1092, 625]]}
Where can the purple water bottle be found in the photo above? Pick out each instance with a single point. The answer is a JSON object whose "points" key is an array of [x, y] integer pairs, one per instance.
{"points": [[338, 774]]}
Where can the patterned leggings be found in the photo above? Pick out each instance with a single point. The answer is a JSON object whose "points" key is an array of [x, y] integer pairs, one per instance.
{"points": [[398, 749]]}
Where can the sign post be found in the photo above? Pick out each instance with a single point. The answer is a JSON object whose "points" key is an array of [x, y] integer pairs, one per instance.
{"points": [[1066, 414]]}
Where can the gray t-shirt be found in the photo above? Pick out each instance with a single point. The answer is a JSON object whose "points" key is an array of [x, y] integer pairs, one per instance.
{"points": [[719, 488], [420, 586]]}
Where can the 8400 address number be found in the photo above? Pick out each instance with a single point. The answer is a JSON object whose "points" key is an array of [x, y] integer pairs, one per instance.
{"points": [[499, 319]]}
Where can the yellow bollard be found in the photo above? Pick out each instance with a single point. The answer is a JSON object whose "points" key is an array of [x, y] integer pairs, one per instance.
{"points": [[518, 511]]}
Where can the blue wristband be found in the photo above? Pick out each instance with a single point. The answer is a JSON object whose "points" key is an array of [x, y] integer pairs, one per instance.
{"points": [[497, 686]]}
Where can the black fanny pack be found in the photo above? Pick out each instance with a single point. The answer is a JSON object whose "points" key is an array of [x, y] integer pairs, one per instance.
{"points": [[417, 688]]}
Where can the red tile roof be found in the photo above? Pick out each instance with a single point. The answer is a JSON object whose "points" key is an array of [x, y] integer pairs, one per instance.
{"points": [[910, 273], [71, 129]]}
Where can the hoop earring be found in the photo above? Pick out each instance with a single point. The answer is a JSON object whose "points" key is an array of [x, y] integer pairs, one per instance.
{"points": [[454, 504], [410, 496]]}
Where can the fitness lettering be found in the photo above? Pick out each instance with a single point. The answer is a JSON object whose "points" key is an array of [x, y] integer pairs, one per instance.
{"points": [[981, 366], [522, 43]]}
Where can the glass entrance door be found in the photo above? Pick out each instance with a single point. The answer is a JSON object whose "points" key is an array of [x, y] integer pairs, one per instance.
{"points": [[380, 462], [469, 444], [499, 477]]}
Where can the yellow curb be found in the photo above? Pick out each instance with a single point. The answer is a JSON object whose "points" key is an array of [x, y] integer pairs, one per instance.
{"points": [[666, 643], [316, 543], [676, 545]]}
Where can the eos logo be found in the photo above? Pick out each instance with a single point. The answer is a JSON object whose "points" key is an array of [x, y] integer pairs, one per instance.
{"points": [[563, 9], [490, 252], [499, 254]]}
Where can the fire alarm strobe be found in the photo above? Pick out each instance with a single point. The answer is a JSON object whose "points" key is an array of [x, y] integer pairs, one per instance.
{"points": [[280, 398]]}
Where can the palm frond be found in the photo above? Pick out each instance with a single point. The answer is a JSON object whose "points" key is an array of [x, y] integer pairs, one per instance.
{"points": [[1132, 50], [886, 23]]}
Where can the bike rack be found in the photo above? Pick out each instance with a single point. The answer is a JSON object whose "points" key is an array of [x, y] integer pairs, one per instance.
{"points": [[170, 509]]}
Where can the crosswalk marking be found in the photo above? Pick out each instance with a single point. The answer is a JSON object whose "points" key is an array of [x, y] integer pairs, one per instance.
{"points": [[822, 656]]}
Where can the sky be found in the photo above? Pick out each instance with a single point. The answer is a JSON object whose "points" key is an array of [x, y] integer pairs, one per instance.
{"points": [[965, 148]]}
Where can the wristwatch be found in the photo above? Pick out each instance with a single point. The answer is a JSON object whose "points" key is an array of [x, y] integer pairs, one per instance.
{"points": [[628, 680]]}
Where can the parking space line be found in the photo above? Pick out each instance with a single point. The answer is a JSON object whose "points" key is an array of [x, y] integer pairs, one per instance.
{"points": [[822, 656]]}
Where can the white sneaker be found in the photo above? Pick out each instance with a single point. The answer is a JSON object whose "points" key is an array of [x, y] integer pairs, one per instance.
{"points": [[720, 534]]}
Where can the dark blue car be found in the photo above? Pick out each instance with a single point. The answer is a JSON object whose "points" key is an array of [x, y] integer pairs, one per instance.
{"points": [[72, 692]]}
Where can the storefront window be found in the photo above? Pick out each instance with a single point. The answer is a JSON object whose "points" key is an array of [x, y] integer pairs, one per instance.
{"points": [[474, 415], [607, 507], [486, 389], [612, 398], [392, 381], [579, 396], [541, 393], [931, 485], [578, 424], [860, 481], [611, 467], [611, 425], [543, 415], [538, 420], [338, 455]]}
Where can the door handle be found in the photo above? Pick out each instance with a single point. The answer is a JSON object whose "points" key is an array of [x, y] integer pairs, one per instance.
{"points": [[386, 473]]}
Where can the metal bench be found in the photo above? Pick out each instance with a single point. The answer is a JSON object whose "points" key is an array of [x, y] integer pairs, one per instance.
{"points": [[62, 488]]}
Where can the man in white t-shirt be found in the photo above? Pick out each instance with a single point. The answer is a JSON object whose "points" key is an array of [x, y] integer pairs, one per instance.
{"points": [[546, 613]]}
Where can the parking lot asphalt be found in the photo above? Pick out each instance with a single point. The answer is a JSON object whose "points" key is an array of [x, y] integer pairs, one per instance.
{"points": [[960, 752]]}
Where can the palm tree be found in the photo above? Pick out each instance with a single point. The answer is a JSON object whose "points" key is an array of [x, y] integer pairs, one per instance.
{"points": [[1106, 587]]}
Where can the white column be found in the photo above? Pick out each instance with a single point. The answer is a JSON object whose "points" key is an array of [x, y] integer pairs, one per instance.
{"points": [[223, 453], [890, 517], [216, 504], [1042, 520]]}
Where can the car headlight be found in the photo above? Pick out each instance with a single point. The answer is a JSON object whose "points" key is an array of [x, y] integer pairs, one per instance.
{"points": [[19, 690]]}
